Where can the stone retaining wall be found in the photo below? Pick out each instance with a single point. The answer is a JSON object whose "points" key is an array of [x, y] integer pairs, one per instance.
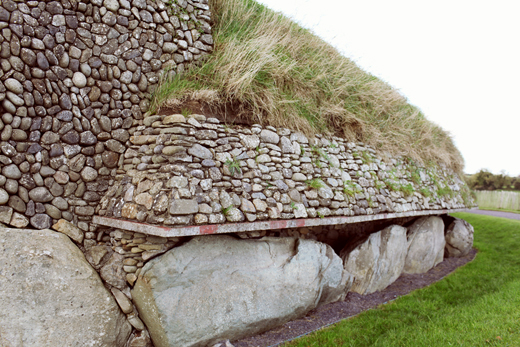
{"points": [[75, 82], [75, 76], [192, 170]]}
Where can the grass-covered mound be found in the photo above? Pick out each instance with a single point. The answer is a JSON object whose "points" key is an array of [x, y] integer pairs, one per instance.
{"points": [[269, 70]]}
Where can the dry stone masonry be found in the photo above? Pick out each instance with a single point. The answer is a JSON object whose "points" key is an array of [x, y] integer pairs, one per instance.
{"points": [[181, 170], [75, 76], [78, 142]]}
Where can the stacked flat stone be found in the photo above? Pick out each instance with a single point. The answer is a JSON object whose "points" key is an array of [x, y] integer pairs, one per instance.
{"points": [[74, 78], [137, 249], [193, 170], [118, 256]]}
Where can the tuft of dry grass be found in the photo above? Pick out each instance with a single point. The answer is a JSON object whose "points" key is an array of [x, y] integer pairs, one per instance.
{"points": [[272, 71]]}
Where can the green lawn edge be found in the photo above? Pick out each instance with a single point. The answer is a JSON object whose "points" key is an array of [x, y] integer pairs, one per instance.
{"points": [[476, 305]]}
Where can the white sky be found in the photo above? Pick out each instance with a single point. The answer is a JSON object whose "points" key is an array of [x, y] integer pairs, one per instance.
{"points": [[457, 60]]}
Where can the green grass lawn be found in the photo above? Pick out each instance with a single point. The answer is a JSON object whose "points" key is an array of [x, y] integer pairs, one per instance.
{"points": [[477, 305]]}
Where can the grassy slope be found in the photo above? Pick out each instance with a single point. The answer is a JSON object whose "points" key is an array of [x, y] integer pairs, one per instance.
{"points": [[478, 305], [280, 74]]}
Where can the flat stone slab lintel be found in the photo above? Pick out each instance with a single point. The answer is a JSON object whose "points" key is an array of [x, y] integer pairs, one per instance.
{"points": [[194, 230]]}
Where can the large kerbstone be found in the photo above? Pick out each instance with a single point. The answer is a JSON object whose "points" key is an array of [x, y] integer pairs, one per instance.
{"points": [[459, 238], [377, 262], [425, 245], [51, 296], [217, 287]]}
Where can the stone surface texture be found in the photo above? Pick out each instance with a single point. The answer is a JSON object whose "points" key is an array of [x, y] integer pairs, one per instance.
{"points": [[377, 262], [459, 238], [77, 139], [231, 288], [425, 245], [194, 171], [51, 296], [75, 78]]}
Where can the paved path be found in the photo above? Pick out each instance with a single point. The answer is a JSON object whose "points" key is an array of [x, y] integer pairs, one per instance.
{"points": [[509, 215]]}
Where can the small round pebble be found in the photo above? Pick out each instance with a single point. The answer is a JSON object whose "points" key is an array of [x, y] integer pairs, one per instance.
{"points": [[14, 86], [4, 197], [79, 79]]}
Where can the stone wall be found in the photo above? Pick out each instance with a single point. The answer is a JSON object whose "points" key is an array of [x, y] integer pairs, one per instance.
{"points": [[374, 255], [181, 170], [77, 140], [75, 76], [75, 82], [136, 248]]}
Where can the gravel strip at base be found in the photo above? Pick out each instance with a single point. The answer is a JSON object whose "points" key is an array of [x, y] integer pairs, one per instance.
{"points": [[352, 305], [509, 215]]}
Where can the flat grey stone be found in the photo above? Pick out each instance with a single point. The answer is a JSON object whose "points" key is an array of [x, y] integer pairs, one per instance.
{"points": [[286, 145], [269, 136], [213, 272], [87, 138], [184, 206], [37, 305], [4, 197], [41, 221], [111, 5], [299, 177], [378, 262], [122, 301], [11, 171], [112, 272], [200, 152], [426, 245], [40, 194], [70, 230], [79, 79], [17, 203], [170, 47], [14, 86], [89, 174], [300, 211], [233, 214], [249, 141]]}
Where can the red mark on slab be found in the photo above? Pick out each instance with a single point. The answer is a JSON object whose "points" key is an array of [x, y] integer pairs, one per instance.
{"points": [[208, 229], [278, 224], [300, 223]]}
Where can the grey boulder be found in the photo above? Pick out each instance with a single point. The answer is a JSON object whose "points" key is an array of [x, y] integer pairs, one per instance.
{"points": [[377, 262], [459, 238], [51, 296], [218, 287], [425, 245]]}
